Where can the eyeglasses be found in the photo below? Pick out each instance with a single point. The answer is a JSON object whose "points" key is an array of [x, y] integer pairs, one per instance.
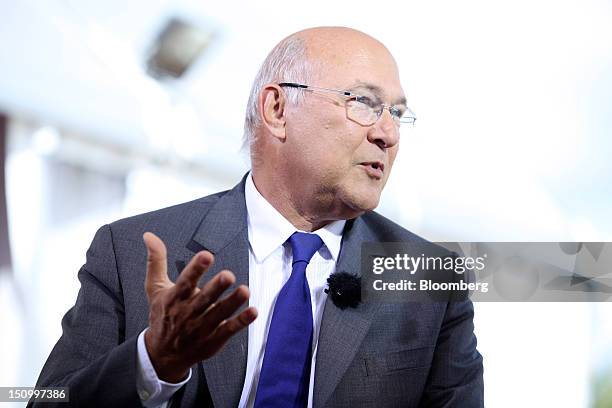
{"points": [[362, 109]]}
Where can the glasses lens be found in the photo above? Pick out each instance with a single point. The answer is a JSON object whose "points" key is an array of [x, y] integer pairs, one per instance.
{"points": [[360, 112], [408, 121]]}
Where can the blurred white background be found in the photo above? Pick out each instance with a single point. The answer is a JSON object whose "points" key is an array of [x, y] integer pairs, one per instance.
{"points": [[512, 142]]}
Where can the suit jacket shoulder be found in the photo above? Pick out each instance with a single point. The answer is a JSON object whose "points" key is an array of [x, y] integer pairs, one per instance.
{"points": [[170, 217], [387, 230]]}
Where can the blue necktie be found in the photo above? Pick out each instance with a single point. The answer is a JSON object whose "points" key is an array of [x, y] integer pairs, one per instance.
{"points": [[285, 371]]}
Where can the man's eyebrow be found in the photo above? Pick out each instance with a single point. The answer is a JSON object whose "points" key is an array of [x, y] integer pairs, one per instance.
{"points": [[376, 90]]}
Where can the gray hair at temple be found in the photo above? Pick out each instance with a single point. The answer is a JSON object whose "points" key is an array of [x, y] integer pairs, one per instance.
{"points": [[287, 62]]}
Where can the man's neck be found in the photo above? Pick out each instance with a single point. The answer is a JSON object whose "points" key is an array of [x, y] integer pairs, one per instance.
{"points": [[284, 203]]}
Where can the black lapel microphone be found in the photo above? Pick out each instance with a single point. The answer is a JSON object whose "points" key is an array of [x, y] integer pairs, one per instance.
{"points": [[344, 289]]}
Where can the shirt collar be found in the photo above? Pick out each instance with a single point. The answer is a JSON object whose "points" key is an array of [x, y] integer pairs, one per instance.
{"points": [[268, 229]]}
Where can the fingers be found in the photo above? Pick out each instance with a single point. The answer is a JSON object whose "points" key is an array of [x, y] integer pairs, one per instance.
{"points": [[157, 266], [211, 292], [230, 327], [225, 308], [188, 279]]}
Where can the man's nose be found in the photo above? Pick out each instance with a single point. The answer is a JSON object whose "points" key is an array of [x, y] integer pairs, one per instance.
{"points": [[384, 133]]}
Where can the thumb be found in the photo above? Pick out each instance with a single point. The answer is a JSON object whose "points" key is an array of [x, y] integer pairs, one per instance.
{"points": [[157, 265]]}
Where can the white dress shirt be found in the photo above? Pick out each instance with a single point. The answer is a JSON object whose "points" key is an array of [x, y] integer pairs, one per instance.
{"points": [[269, 269]]}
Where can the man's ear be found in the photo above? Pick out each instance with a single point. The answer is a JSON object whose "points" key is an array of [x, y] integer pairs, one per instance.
{"points": [[272, 110]]}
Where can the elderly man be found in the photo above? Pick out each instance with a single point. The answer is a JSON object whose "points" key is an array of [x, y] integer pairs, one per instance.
{"points": [[323, 126]]}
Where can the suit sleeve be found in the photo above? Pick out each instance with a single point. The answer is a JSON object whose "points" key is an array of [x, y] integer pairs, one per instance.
{"points": [[456, 375], [93, 358]]}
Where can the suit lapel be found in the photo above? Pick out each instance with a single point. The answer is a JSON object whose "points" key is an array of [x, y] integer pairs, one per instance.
{"points": [[342, 331], [223, 231]]}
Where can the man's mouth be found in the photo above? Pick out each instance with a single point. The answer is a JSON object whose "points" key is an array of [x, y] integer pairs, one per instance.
{"points": [[374, 169]]}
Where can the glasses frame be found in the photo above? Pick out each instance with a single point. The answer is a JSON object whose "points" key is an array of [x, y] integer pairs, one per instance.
{"points": [[408, 117]]}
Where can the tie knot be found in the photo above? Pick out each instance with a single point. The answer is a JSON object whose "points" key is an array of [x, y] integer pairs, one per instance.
{"points": [[304, 246]]}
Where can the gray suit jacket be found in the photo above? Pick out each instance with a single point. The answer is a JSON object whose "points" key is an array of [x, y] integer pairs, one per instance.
{"points": [[375, 355]]}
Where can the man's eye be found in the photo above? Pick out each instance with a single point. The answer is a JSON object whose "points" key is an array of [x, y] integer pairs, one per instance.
{"points": [[397, 112], [367, 101]]}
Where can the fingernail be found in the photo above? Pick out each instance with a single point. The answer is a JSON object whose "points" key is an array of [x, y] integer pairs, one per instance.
{"points": [[203, 260]]}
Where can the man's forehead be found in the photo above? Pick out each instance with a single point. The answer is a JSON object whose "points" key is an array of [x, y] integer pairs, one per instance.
{"points": [[377, 77], [351, 60], [395, 95]]}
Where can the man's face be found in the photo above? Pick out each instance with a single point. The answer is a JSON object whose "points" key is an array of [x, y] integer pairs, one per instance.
{"points": [[342, 163]]}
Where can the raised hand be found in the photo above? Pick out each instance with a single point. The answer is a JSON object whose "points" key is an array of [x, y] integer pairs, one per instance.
{"points": [[188, 324]]}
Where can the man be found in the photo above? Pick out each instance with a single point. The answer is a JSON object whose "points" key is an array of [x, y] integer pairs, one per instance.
{"points": [[323, 129]]}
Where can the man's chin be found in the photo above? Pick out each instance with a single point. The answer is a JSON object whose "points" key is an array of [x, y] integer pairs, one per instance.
{"points": [[360, 204]]}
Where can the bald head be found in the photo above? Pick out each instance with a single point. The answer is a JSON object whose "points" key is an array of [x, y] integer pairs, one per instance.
{"points": [[331, 46]]}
